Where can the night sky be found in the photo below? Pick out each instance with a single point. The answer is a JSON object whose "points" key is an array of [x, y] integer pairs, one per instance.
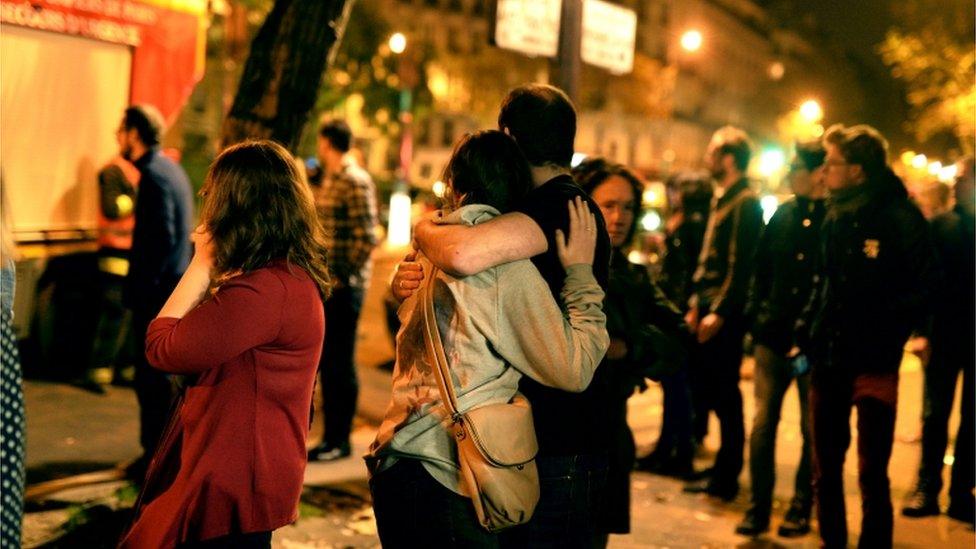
{"points": [[856, 27]]}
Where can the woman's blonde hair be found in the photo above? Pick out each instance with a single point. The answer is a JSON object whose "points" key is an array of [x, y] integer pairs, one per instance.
{"points": [[258, 208]]}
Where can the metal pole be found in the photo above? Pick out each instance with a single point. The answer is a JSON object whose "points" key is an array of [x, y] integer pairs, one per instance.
{"points": [[568, 63]]}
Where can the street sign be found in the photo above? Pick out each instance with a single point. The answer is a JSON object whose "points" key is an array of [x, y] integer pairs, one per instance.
{"points": [[528, 26], [609, 36]]}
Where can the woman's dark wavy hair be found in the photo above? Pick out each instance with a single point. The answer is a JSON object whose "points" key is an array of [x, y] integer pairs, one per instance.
{"points": [[487, 167], [594, 171], [258, 208]]}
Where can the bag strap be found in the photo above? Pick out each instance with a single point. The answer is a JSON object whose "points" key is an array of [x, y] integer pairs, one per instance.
{"points": [[435, 348]]}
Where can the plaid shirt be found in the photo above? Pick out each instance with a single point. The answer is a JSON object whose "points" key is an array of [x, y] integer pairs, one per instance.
{"points": [[346, 203]]}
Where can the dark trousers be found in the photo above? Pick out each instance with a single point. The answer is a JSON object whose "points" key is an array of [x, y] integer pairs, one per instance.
{"points": [[113, 333], [715, 387], [414, 510], [337, 369], [154, 390], [941, 374], [253, 540], [570, 499], [773, 377], [832, 395], [676, 433]]}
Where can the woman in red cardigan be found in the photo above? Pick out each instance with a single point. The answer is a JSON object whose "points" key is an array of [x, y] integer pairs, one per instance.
{"points": [[245, 324]]}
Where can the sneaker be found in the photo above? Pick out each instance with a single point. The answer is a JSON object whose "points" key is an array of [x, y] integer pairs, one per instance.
{"points": [[327, 452], [723, 491], [753, 524], [678, 468], [652, 463], [796, 522], [921, 504]]}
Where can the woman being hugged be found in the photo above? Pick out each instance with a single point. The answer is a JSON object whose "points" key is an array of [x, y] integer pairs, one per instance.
{"points": [[495, 326], [245, 324]]}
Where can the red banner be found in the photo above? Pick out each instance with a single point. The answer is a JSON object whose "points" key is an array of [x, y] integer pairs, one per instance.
{"points": [[168, 39]]}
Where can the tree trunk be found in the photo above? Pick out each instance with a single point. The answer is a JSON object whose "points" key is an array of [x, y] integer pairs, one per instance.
{"points": [[284, 69]]}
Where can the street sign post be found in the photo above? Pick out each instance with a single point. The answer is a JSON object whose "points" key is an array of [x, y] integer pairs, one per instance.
{"points": [[528, 26], [609, 36]]}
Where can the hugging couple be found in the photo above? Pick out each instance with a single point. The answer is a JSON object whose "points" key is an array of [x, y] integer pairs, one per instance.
{"points": [[518, 270]]}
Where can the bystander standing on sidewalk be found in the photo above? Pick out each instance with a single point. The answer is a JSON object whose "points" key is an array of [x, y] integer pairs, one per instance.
{"points": [[246, 322], [159, 255], [716, 313], [785, 273], [878, 274], [346, 203], [952, 352], [12, 428]]}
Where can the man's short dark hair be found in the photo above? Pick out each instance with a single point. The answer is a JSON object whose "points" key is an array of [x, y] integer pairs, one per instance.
{"points": [[542, 120], [810, 154], [147, 121], [338, 134], [734, 141], [861, 145]]}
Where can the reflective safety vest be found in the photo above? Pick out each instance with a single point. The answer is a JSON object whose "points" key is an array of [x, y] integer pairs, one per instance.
{"points": [[116, 212]]}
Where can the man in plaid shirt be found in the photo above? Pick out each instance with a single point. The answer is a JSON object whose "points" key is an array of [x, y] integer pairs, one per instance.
{"points": [[346, 203]]}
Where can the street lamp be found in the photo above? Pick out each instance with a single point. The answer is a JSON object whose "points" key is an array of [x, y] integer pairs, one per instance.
{"points": [[920, 162], [811, 111], [691, 41], [398, 43], [398, 229]]}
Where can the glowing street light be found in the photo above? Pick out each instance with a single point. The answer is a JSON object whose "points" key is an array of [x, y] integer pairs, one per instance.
{"points": [[439, 188], [946, 174], [920, 162], [811, 111], [398, 43], [907, 157], [398, 231], [691, 41], [771, 161]]}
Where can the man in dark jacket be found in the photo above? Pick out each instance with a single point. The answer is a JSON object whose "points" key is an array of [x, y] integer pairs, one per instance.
{"points": [[159, 255], [878, 272], [690, 196], [717, 305], [784, 277], [952, 351]]}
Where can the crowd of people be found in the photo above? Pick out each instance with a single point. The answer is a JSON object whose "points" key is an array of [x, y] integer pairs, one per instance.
{"points": [[829, 292], [521, 286]]}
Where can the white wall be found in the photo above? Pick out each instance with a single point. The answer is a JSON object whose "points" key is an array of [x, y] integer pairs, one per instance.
{"points": [[61, 100]]}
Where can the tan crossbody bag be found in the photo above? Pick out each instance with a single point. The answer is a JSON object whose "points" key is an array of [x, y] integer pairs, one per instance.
{"points": [[496, 442]]}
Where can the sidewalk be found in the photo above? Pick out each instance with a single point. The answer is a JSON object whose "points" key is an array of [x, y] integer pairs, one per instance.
{"points": [[335, 509]]}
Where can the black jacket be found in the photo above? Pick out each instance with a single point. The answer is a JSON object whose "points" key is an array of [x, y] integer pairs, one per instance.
{"points": [[955, 303], [683, 248], [161, 247], [879, 274], [786, 263], [721, 281], [653, 329]]}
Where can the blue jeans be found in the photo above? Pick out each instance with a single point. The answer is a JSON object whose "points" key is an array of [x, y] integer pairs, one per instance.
{"points": [[414, 510], [773, 377], [571, 492]]}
